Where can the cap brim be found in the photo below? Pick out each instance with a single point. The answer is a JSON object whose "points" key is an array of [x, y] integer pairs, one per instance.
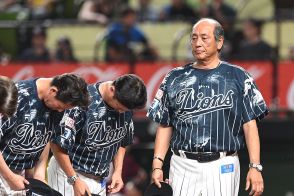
{"points": [[153, 190]]}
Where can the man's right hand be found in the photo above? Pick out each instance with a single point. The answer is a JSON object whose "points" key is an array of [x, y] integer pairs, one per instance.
{"points": [[157, 176], [17, 182], [81, 188]]}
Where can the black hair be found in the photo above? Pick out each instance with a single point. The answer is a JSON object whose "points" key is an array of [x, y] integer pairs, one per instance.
{"points": [[125, 11], [72, 89], [38, 30], [9, 96], [130, 91], [256, 23]]}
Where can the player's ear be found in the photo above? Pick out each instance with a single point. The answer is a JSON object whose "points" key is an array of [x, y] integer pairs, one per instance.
{"points": [[112, 90], [53, 91], [220, 43]]}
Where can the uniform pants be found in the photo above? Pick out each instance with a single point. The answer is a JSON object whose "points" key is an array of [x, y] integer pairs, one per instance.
{"points": [[57, 179], [216, 178], [5, 188]]}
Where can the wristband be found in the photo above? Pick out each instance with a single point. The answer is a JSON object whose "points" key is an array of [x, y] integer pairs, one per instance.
{"points": [[157, 157]]}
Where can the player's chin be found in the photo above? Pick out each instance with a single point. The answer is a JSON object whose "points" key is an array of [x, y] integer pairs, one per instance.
{"points": [[199, 55]]}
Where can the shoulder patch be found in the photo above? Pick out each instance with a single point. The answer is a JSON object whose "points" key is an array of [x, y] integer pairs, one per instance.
{"points": [[69, 122], [159, 94]]}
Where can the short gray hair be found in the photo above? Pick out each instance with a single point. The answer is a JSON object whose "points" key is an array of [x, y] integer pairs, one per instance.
{"points": [[218, 31]]}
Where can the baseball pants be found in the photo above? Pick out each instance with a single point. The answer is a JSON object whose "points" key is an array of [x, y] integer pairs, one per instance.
{"points": [[216, 178], [5, 189], [57, 179]]}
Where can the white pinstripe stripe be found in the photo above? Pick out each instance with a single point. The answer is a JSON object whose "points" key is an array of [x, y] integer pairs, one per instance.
{"points": [[9, 165], [80, 154], [179, 143], [104, 149], [192, 128], [217, 123], [233, 127], [197, 132], [176, 140], [224, 128], [183, 183], [86, 162], [203, 134], [187, 187], [244, 105], [211, 127], [230, 131]]}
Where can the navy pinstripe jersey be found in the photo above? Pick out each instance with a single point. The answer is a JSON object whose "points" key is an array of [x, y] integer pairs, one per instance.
{"points": [[24, 135], [93, 137], [207, 108]]}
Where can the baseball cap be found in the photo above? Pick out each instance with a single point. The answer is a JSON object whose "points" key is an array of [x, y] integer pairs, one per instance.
{"points": [[39, 188], [153, 190]]}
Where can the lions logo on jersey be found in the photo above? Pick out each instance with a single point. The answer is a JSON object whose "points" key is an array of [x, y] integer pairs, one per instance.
{"points": [[100, 135]]}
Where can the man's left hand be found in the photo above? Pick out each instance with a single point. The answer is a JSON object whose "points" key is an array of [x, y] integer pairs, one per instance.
{"points": [[254, 179], [116, 183]]}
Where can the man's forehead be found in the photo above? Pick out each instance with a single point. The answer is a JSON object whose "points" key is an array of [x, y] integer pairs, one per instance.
{"points": [[203, 29], [204, 25]]}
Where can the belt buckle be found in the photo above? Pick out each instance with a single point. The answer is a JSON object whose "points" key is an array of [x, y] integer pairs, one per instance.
{"points": [[205, 158], [222, 154]]}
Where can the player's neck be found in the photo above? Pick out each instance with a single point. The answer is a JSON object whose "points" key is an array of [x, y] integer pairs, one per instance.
{"points": [[104, 89], [43, 85], [207, 64]]}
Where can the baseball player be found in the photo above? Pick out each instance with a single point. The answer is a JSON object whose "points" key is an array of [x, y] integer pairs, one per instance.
{"points": [[24, 135], [87, 141], [8, 94], [205, 109]]}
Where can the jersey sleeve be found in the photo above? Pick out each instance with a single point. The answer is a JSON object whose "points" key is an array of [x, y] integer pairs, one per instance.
{"points": [[128, 139], [254, 106], [160, 110], [65, 131], [6, 125]]}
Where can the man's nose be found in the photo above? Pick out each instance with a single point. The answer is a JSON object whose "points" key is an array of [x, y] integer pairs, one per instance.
{"points": [[198, 42]]}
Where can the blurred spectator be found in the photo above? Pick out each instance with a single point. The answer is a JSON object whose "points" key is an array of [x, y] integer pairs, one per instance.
{"points": [[221, 12], [134, 176], [38, 51], [226, 15], [64, 51], [291, 53], [146, 12], [252, 47], [42, 9], [15, 8], [4, 57], [126, 42], [10, 5], [203, 9], [100, 11], [178, 10], [134, 189]]}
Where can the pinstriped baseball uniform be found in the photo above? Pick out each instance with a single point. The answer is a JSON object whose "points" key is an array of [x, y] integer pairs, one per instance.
{"points": [[92, 138], [207, 109], [24, 135]]}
